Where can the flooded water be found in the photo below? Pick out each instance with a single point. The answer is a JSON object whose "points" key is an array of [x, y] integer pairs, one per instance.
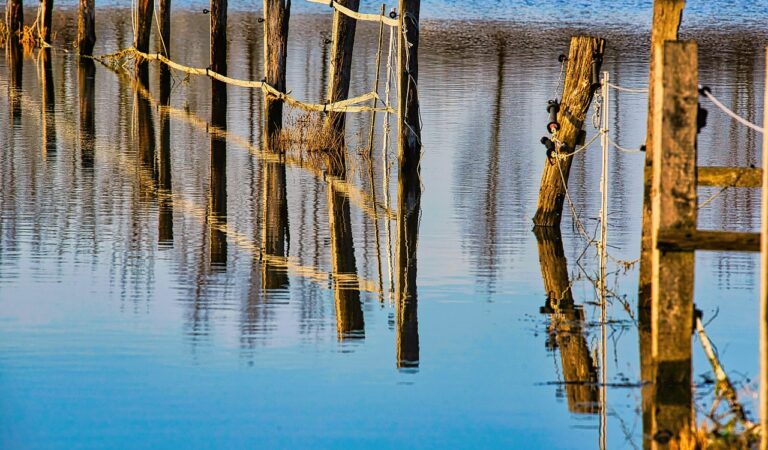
{"points": [[165, 283]]}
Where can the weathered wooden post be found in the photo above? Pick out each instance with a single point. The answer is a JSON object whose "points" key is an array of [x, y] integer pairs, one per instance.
{"points": [[144, 24], [219, 36], [276, 16], [342, 44], [579, 370], [45, 20], [675, 106], [14, 19], [764, 283], [350, 322], [164, 16], [584, 58], [86, 27], [409, 117], [667, 15]]}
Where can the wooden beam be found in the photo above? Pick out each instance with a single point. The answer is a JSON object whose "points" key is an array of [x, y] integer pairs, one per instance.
{"points": [[731, 241], [730, 176], [577, 96], [675, 107]]}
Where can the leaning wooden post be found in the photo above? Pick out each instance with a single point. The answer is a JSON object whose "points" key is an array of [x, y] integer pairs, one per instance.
{"points": [[14, 19], [44, 21], [409, 117], [584, 60], [342, 44], [675, 104], [276, 16], [764, 284], [86, 27], [667, 15]]}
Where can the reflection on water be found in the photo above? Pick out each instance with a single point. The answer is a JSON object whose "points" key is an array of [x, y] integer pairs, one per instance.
{"points": [[160, 268]]}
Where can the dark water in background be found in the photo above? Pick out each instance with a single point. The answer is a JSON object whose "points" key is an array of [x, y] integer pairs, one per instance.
{"points": [[133, 318]]}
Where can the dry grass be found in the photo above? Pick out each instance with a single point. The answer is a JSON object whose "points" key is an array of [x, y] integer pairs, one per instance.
{"points": [[306, 136]]}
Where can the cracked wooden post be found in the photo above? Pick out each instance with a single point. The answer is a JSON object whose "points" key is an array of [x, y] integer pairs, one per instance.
{"points": [[764, 284], [342, 44], [578, 91], [276, 16], [667, 15], [675, 107], [14, 19], [146, 9], [45, 18], [408, 115]]}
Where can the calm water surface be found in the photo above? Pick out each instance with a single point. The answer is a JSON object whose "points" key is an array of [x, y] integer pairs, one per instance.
{"points": [[163, 285]]}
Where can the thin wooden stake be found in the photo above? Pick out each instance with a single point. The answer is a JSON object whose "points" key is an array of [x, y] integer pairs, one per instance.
{"points": [[376, 84]]}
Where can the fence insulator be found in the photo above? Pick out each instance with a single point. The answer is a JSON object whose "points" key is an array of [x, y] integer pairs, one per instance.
{"points": [[701, 119], [553, 107]]}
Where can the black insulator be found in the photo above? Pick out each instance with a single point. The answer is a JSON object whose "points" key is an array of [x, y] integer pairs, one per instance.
{"points": [[553, 107], [206, 11], [393, 13], [642, 148], [701, 119], [260, 20], [704, 89], [327, 41], [549, 145], [562, 58]]}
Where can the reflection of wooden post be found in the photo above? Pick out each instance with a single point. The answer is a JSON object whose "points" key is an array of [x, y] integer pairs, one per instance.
{"points": [[409, 117], [276, 16], [218, 200], [579, 370], [674, 209], [666, 22], [349, 311], [14, 19], [408, 216], [342, 43], [48, 97], [86, 76], [15, 62], [45, 20], [577, 96], [764, 285], [165, 207], [86, 27], [275, 223]]}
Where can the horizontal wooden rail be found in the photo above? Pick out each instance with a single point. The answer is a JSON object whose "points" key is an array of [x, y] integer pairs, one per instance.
{"points": [[357, 15], [709, 240], [349, 105], [730, 176]]}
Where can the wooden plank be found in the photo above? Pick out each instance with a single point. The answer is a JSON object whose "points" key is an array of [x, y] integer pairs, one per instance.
{"points": [[732, 241], [674, 202], [577, 96], [730, 176]]}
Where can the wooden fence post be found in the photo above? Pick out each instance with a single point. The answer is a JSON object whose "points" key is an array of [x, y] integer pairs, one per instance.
{"points": [[219, 37], [276, 17], [674, 202], [164, 41], [14, 19], [408, 217], [86, 27], [342, 44], [578, 90], [764, 283], [409, 117], [144, 25], [45, 20], [666, 22]]}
